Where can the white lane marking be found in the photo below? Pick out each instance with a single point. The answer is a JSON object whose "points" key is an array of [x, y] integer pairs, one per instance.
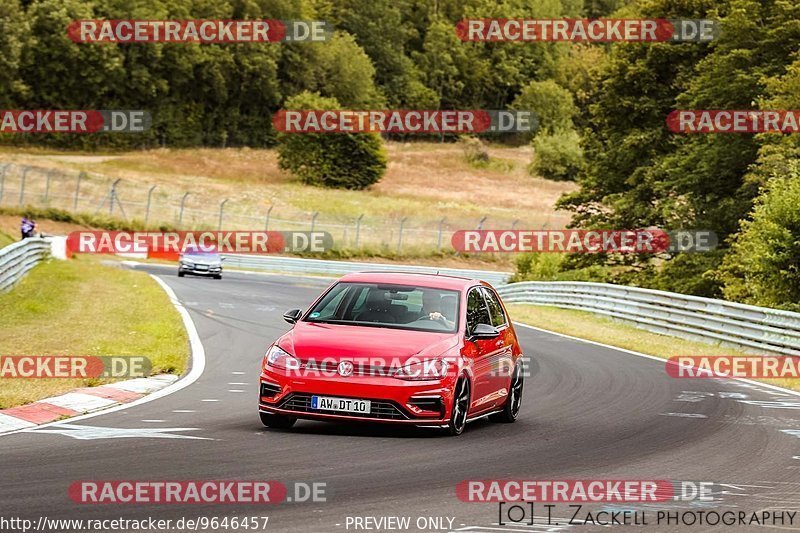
{"points": [[94, 433], [237, 383], [792, 432], [209, 400], [183, 411], [685, 415], [226, 306], [153, 420], [235, 390], [198, 362], [772, 405], [736, 381], [238, 373]]}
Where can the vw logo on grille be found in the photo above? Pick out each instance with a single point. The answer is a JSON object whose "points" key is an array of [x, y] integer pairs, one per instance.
{"points": [[345, 368]]}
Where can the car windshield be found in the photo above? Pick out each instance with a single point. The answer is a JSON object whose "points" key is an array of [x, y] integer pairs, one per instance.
{"points": [[388, 305], [201, 254]]}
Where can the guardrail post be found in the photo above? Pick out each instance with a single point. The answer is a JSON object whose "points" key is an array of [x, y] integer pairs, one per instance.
{"points": [[358, 228], [480, 223], [439, 238], [77, 190], [400, 236], [314, 220], [147, 209], [514, 224], [221, 212], [22, 185], [266, 222], [183, 204]]}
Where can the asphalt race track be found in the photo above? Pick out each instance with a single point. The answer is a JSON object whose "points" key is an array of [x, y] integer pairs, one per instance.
{"points": [[589, 412]]}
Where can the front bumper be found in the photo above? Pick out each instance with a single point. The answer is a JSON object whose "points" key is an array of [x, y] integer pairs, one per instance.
{"points": [[394, 401], [200, 270]]}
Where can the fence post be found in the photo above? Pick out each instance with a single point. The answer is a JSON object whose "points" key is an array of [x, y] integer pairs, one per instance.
{"points": [[400, 236], [221, 211], [47, 186], [358, 228], [314, 220], [112, 196], [183, 204], [22, 185], [147, 209], [266, 223], [514, 224], [3, 181], [77, 190], [480, 223], [441, 228]]}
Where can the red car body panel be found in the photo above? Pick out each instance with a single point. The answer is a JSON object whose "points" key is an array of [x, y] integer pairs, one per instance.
{"points": [[481, 360]]}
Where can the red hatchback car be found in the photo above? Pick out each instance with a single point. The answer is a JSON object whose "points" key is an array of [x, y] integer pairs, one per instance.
{"points": [[419, 349]]}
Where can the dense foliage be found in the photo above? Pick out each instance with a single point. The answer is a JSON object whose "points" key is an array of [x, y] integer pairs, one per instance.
{"points": [[602, 110]]}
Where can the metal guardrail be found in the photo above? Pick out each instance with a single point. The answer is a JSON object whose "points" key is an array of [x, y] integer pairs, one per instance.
{"points": [[18, 258], [339, 268], [751, 328]]}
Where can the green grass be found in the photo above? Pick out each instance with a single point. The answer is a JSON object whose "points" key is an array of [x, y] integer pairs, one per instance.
{"points": [[80, 307], [590, 326], [6, 239]]}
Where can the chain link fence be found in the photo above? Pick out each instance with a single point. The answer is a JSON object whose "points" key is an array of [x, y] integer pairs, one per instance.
{"points": [[154, 206]]}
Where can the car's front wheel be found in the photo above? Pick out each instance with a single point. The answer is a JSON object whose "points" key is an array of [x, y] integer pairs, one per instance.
{"points": [[181, 273], [513, 399], [277, 421], [458, 416]]}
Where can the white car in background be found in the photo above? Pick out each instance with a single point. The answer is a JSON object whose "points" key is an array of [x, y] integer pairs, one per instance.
{"points": [[200, 263]]}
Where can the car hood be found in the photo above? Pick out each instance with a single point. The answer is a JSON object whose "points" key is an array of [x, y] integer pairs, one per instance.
{"points": [[308, 340]]}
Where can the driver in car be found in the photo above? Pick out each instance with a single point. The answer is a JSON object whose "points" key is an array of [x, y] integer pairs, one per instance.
{"points": [[432, 308]]}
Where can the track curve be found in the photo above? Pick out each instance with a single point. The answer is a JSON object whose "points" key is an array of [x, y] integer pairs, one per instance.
{"points": [[589, 412]]}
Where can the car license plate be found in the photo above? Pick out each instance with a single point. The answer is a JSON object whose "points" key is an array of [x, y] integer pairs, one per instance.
{"points": [[328, 403], [201, 267]]}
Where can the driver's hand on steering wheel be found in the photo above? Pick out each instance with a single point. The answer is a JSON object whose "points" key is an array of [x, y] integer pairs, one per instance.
{"points": [[436, 315]]}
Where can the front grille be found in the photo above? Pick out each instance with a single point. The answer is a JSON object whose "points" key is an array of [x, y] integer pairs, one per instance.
{"points": [[379, 409], [269, 390], [359, 368]]}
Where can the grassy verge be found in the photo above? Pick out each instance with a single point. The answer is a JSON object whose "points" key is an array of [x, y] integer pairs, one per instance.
{"points": [[596, 328], [81, 307]]}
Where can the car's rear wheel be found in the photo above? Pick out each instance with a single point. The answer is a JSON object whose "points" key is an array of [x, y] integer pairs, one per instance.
{"points": [[181, 274], [277, 421], [513, 399], [458, 416]]}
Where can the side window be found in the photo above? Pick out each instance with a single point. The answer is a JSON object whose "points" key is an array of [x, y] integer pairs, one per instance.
{"points": [[477, 313], [495, 308]]}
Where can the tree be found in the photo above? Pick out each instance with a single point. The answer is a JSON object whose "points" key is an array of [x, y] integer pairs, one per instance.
{"points": [[338, 160], [552, 104], [763, 267]]}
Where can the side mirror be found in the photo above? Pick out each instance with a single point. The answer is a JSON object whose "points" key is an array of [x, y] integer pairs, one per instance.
{"points": [[292, 316], [484, 331]]}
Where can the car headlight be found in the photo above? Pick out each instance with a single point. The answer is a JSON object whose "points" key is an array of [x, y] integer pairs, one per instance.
{"points": [[279, 358], [187, 263], [422, 370]]}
